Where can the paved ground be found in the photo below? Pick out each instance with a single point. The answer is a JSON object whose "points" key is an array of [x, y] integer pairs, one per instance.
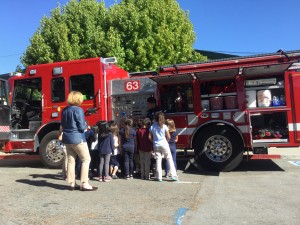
{"points": [[260, 191]]}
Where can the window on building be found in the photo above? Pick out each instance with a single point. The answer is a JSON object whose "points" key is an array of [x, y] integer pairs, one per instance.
{"points": [[58, 90], [177, 98], [83, 84]]}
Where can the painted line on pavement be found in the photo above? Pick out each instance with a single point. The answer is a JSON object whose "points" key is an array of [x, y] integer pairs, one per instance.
{"points": [[187, 182], [179, 214], [295, 163]]}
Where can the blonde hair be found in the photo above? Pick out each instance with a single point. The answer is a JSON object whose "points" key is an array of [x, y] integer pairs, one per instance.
{"points": [[114, 129], [160, 119], [75, 98], [171, 125]]}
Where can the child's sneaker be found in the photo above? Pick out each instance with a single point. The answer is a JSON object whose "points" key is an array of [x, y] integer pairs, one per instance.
{"points": [[107, 179], [115, 177], [127, 177], [174, 178]]}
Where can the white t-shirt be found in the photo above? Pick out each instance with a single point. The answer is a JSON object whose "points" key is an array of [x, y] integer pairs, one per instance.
{"points": [[159, 135], [116, 145]]}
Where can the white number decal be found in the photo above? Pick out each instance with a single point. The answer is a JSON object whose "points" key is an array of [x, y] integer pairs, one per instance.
{"points": [[129, 86], [135, 85], [132, 85]]}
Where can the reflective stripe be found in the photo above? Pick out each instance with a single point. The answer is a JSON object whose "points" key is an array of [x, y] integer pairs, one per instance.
{"points": [[244, 129], [185, 131], [4, 129], [294, 126], [192, 119]]}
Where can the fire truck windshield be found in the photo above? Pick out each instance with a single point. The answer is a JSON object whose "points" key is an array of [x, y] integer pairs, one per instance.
{"points": [[26, 105]]}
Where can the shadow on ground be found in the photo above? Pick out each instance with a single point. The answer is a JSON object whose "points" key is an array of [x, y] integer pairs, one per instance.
{"points": [[16, 163], [257, 165], [42, 183]]}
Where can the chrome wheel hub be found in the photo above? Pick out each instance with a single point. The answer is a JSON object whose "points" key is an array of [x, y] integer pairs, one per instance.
{"points": [[54, 151], [218, 148]]}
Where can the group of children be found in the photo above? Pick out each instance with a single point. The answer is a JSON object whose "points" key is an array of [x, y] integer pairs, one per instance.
{"points": [[119, 146]]}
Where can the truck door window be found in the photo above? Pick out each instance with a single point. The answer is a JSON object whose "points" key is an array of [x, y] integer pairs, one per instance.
{"points": [[58, 89], [3, 97], [26, 104], [177, 98], [84, 84]]}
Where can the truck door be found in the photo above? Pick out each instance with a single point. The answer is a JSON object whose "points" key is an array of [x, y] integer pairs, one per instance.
{"points": [[295, 104], [4, 111]]}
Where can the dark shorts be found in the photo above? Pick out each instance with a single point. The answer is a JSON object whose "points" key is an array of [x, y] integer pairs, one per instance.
{"points": [[115, 160]]}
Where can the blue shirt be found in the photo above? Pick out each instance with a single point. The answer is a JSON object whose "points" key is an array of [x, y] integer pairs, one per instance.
{"points": [[73, 125], [106, 144], [159, 135], [172, 137], [128, 145]]}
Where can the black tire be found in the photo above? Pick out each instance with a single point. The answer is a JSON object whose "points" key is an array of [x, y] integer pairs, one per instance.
{"points": [[50, 151], [218, 148]]}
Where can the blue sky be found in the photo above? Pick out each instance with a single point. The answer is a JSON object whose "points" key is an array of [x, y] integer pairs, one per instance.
{"points": [[233, 26]]}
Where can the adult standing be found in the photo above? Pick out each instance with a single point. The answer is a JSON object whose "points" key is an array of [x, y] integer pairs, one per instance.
{"points": [[159, 135], [73, 127], [152, 108]]}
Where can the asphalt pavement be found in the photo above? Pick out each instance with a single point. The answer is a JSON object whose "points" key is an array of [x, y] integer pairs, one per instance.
{"points": [[259, 191]]}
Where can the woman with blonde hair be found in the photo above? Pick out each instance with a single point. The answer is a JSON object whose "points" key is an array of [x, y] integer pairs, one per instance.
{"points": [[159, 135], [73, 128]]}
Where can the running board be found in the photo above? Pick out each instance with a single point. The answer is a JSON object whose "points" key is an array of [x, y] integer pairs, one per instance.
{"points": [[20, 150]]}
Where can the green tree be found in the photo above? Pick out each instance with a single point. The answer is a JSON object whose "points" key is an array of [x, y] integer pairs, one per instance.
{"points": [[74, 31], [142, 34]]}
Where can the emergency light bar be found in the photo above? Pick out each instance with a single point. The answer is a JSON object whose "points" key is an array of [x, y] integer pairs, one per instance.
{"points": [[32, 72], [57, 71], [110, 60]]}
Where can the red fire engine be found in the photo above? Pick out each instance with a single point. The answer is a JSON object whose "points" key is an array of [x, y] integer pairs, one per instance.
{"points": [[221, 108], [38, 97]]}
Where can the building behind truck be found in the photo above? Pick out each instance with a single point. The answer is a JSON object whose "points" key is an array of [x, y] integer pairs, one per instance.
{"points": [[221, 108]]}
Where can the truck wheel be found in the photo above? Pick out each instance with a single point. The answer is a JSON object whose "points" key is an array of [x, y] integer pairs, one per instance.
{"points": [[50, 151], [218, 148]]}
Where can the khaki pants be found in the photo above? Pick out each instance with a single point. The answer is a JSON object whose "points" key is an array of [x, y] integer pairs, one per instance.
{"points": [[145, 161], [83, 152]]}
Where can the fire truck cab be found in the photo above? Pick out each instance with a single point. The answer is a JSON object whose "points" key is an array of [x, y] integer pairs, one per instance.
{"points": [[38, 97], [223, 108]]}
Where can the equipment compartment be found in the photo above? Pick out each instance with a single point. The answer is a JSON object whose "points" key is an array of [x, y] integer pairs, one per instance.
{"points": [[269, 127], [218, 95], [265, 93]]}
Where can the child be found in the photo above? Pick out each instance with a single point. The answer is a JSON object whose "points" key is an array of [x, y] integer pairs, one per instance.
{"points": [[144, 146], [128, 147], [172, 143], [105, 147], [92, 141], [65, 157], [115, 158], [159, 134]]}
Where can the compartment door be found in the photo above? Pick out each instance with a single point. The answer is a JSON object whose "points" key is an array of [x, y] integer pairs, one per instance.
{"points": [[295, 104], [4, 112]]}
